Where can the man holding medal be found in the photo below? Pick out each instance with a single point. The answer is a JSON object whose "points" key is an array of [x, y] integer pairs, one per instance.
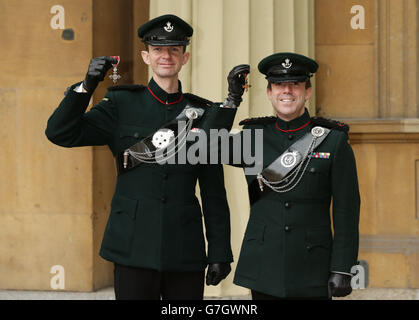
{"points": [[154, 234], [289, 250]]}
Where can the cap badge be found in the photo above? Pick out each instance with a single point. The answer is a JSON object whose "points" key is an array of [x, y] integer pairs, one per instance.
{"points": [[287, 64], [168, 27]]}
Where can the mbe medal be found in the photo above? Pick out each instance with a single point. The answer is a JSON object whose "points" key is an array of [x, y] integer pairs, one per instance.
{"points": [[115, 76], [246, 85]]}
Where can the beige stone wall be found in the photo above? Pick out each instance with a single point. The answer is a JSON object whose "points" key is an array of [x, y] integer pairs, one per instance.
{"points": [[387, 153], [45, 194], [369, 79], [53, 201]]}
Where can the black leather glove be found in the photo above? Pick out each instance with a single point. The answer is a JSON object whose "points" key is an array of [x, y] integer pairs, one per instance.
{"points": [[217, 272], [236, 80], [339, 285], [98, 68]]}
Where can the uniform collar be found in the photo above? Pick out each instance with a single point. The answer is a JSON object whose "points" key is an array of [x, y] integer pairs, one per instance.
{"points": [[162, 96], [294, 125]]}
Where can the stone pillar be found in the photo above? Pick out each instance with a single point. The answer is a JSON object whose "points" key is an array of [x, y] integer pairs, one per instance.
{"points": [[228, 33]]}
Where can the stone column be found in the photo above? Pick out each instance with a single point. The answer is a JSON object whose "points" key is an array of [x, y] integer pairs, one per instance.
{"points": [[228, 33]]}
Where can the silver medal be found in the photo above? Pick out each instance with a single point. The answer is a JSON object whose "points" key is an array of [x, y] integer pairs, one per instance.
{"points": [[162, 138], [289, 159], [191, 113], [317, 132]]}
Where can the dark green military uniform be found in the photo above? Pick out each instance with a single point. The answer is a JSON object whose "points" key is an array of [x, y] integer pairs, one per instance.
{"points": [[155, 220], [289, 249]]}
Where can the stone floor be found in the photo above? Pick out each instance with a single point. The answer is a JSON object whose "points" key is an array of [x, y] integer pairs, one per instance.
{"points": [[108, 294]]}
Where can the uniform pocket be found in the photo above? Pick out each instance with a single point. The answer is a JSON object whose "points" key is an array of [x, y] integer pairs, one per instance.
{"points": [[318, 251], [119, 232], [249, 262], [318, 175]]}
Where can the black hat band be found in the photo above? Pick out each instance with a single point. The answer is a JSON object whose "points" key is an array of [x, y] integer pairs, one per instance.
{"points": [[289, 78], [163, 38], [278, 71]]}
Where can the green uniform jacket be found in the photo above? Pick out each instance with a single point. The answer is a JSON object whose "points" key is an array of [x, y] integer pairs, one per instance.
{"points": [[155, 220], [288, 248]]}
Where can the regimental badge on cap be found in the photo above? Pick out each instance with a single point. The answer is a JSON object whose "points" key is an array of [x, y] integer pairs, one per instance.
{"points": [[287, 64], [168, 27], [289, 159]]}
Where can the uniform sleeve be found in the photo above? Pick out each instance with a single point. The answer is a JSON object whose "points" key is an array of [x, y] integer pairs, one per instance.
{"points": [[346, 207], [71, 126], [216, 213], [218, 118]]}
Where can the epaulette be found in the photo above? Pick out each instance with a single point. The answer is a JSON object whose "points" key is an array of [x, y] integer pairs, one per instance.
{"points": [[198, 101], [330, 124], [260, 120], [130, 87]]}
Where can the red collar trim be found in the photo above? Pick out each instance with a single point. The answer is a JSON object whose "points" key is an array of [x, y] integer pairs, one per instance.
{"points": [[276, 125], [161, 101]]}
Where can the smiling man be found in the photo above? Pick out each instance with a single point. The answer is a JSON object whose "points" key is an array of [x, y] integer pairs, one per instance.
{"points": [[289, 251], [154, 235], [288, 98]]}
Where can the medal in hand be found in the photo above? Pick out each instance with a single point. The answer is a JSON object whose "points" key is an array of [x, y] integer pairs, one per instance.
{"points": [[246, 85], [115, 76]]}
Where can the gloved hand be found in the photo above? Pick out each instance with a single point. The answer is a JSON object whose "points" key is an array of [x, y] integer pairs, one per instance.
{"points": [[98, 68], [217, 272], [339, 285], [236, 80]]}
